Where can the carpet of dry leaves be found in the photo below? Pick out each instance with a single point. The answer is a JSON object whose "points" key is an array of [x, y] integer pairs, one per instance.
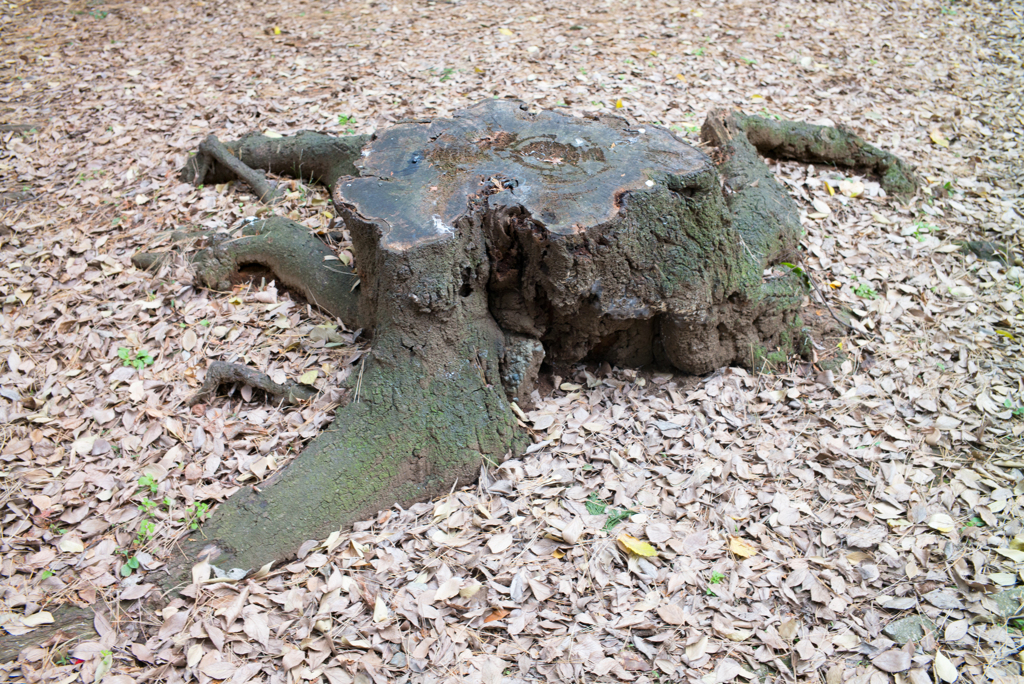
{"points": [[793, 517]]}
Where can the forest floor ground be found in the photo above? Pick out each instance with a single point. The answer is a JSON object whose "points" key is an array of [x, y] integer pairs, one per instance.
{"points": [[803, 521]]}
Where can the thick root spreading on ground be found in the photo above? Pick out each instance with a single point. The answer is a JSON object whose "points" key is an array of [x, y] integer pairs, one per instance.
{"points": [[827, 145], [300, 260]]}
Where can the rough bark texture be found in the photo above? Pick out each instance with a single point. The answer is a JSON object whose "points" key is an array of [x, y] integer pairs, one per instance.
{"points": [[307, 155], [69, 623], [827, 145], [300, 260], [221, 373], [491, 241]]}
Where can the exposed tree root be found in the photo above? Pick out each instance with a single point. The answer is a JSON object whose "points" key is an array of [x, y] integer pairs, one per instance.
{"points": [[222, 373], [825, 144], [211, 150], [310, 156], [69, 623], [298, 258], [19, 128]]}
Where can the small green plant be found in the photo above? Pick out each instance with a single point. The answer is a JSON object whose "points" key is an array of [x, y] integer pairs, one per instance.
{"points": [[195, 514], [804, 278], [921, 228], [1018, 411], [149, 482], [699, 52], [148, 506], [865, 291], [715, 578], [130, 566], [138, 360], [975, 521], [347, 120], [147, 528], [749, 60], [446, 73], [615, 515], [46, 574]]}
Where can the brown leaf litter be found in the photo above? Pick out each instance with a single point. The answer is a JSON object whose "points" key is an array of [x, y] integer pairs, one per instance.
{"points": [[804, 524]]}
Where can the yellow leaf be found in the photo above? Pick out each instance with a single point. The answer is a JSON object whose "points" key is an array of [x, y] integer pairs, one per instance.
{"points": [[828, 186], [618, 103], [635, 546], [505, 32], [559, 554], [277, 31], [308, 378], [741, 547], [938, 138]]}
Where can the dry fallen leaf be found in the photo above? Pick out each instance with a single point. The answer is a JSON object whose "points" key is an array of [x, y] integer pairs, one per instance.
{"points": [[43, 617], [941, 522], [496, 614], [892, 661], [672, 614], [499, 542], [944, 668], [741, 547]]}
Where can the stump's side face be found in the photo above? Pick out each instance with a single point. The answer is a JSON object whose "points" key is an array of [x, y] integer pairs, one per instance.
{"points": [[594, 229]]}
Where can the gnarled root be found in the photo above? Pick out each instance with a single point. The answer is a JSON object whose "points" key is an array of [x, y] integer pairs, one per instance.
{"points": [[221, 373], [70, 623], [825, 145], [213, 151], [310, 156], [299, 259], [408, 438]]}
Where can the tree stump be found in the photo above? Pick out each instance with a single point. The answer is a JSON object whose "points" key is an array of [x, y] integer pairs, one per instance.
{"points": [[486, 243]]}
